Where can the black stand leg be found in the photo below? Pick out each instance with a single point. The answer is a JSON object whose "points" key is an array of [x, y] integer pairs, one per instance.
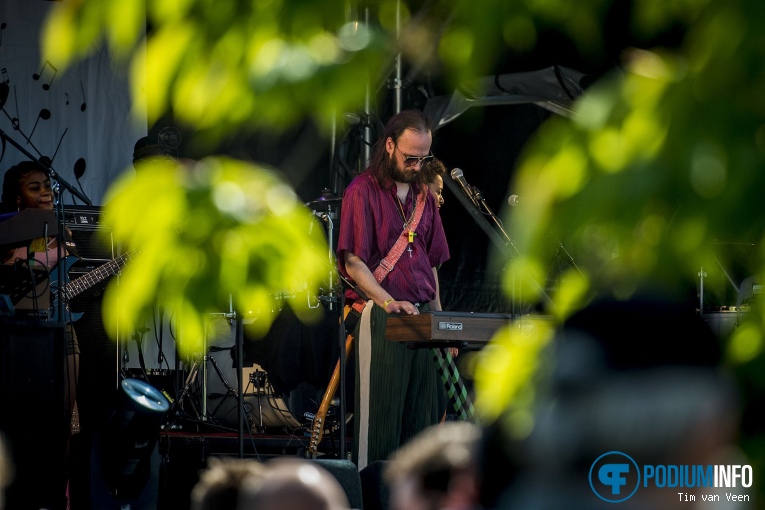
{"points": [[240, 393], [229, 390], [343, 363]]}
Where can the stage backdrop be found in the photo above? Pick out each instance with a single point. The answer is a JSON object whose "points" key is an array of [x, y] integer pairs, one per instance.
{"points": [[83, 113]]}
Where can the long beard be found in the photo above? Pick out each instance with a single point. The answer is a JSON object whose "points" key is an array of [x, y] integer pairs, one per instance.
{"points": [[407, 175]]}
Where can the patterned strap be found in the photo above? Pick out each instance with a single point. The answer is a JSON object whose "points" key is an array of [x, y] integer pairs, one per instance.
{"points": [[455, 386], [389, 261]]}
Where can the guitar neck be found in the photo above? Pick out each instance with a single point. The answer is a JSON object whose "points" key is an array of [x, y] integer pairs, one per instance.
{"points": [[99, 274]]}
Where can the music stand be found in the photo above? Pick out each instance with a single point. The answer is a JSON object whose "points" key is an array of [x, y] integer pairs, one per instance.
{"points": [[26, 287], [26, 225]]}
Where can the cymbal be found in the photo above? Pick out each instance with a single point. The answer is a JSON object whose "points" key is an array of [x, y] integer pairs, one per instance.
{"points": [[321, 203]]}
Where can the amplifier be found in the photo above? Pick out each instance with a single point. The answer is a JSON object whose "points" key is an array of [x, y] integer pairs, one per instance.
{"points": [[83, 216], [94, 241]]}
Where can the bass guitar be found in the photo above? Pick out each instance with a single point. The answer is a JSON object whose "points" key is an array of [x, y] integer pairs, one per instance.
{"points": [[80, 284]]}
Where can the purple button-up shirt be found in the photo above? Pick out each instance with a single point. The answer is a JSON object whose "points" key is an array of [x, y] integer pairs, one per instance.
{"points": [[370, 224]]}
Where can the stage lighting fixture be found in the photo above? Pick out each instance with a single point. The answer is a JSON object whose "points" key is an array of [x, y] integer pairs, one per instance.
{"points": [[129, 438]]}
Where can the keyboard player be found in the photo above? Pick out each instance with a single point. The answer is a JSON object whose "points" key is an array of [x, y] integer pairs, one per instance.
{"points": [[396, 386]]}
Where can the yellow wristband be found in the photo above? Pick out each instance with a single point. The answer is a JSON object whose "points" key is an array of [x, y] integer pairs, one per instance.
{"points": [[387, 302]]}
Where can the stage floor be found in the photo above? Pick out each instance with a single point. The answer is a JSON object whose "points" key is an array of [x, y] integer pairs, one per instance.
{"points": [[181, 455]]}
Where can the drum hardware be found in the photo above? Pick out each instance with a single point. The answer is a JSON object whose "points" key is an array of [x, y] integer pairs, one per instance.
{"points": [[308, 299], [198, 365], [229, 389], [325, 202], [333, 298], [231, 316], [701, 274], [280, 298], [262, 408], [327, 297], [323, 209], [184, 396], [258, 380]]}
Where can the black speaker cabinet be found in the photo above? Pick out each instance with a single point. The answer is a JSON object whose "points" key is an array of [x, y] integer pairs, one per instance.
{"points": [[99, 367], [33, 419], [347, 474]]}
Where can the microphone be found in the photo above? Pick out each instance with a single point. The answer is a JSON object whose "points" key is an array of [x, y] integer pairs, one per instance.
{"points": [[466, 189], [352, 119], [513, 200]]}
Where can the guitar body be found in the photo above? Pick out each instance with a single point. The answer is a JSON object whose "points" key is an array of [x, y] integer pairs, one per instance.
{"points": [[63, 267], [317, 427]]}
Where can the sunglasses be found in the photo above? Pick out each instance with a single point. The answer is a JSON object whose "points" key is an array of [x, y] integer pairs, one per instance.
{"points": [[411, 161]]}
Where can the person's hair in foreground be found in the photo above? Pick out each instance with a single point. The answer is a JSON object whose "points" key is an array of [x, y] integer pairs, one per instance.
{"points": [[641, 376], [436, 469], [292, 484], [6, 470], [220, 483]]}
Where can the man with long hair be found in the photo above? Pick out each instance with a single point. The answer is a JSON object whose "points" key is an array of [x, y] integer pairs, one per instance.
{"points": [[388, 202]]}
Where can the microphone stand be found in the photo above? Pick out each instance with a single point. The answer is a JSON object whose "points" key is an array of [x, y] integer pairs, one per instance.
{"points": [[53, 174], [560, 247], [503, 242], [478, 197], [467, 203], [239, 341]]}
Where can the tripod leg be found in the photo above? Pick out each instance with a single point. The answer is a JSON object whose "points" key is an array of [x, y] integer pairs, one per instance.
{"points": [[230, 391], [178, 410], [222, 377]]}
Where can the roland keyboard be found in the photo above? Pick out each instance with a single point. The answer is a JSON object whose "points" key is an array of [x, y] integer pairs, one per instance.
{"points": [[445, 327]]}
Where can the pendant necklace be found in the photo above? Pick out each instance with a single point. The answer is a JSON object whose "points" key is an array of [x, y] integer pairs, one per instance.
{"points": [[411, 233]]}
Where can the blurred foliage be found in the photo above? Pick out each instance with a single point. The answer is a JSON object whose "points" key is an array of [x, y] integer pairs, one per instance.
{"points": [[660, 167], [221, 66], [659, 173], [203, 232], [503, 372], [228, 67]]}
